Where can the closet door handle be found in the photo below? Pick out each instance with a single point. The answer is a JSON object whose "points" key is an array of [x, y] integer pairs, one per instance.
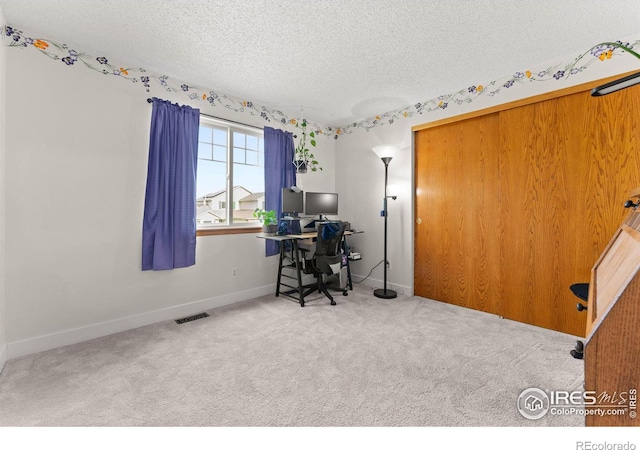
{"points": [[418, 220]]}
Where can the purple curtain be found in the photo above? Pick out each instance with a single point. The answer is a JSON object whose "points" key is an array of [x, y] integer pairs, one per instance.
{"points": [[169, 224], [279, 172]]}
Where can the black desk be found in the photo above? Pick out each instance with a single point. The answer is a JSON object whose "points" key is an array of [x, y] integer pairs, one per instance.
{"points": [[299, 291]]}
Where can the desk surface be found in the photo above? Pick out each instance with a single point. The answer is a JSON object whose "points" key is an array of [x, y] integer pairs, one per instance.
{"points": [[307, 235]]}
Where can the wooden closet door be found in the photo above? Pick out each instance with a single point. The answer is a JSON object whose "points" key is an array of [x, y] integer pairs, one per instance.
{"points": [[456, 211], [514, 206], [541, 175]]}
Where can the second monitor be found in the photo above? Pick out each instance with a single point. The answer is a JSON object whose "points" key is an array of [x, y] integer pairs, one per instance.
{"points": [[321, 203], [292, 201]]}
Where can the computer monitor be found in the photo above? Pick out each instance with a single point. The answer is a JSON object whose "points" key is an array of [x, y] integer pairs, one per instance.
{"points": [[292, 201], [319, 203]]}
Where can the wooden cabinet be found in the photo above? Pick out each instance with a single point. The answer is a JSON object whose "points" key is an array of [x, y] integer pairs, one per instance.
{"points": [[612, 349]]}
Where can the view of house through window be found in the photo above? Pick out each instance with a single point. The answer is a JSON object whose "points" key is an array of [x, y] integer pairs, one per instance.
{"points": [[230, 179]]}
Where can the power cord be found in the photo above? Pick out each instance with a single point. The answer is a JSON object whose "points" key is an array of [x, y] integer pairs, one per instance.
{"points": [[371, 271]]}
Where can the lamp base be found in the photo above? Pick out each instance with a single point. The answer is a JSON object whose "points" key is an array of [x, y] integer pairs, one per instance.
{"points": [[385, 293]]}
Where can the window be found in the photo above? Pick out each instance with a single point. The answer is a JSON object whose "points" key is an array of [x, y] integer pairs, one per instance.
{"points": [[230, 172]]}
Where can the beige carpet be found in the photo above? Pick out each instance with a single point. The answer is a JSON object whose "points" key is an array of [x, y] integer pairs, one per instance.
{"points": [[269, 362]]}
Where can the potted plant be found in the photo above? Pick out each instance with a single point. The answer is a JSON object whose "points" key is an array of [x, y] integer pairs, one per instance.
{"points": [[303, 158], [268, 218]]}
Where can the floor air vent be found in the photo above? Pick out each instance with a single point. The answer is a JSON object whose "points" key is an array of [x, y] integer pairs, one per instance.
{"points": [[191, 318]]}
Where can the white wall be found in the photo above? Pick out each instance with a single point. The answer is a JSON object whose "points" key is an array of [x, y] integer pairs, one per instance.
{"points": [[360, 174], [360, 183], [77, 144], [3, 65]]}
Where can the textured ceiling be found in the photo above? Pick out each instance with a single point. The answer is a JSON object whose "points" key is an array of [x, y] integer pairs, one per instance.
{"points": [[341, 60]]}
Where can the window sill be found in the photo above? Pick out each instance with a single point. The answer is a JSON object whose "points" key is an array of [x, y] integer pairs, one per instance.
{"points": [[227, 230]]}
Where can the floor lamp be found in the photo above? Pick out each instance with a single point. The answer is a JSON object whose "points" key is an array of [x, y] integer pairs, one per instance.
{"points": [[385, 153]]}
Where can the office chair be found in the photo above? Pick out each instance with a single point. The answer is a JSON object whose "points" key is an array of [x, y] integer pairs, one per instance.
{"points": [[327, 259]]}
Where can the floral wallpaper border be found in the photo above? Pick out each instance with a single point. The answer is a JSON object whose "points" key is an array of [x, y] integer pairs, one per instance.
{"points": [[151, 81], [599, 52]]}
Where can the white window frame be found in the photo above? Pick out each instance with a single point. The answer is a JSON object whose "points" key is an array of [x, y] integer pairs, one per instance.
{"points": [[230, 128]]}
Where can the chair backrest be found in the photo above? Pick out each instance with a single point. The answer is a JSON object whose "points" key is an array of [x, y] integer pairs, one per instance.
{"points": [[329, 238]]}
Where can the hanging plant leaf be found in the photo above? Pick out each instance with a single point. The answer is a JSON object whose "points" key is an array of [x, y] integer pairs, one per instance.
{"points": [[302, 153]]}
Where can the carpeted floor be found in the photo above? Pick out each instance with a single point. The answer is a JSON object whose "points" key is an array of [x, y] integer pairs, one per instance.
{"points": [[269, 362]]}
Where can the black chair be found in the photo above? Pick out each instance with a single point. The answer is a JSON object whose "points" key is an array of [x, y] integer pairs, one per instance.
{"points": [[327, 260], [580, 290]]}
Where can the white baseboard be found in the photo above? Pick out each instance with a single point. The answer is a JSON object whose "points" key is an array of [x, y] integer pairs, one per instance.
{"points": [[3, 357], [378, 284], [73, 336]]}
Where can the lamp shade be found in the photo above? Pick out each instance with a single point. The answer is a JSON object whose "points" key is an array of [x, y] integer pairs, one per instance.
{"points": [[385, 151]]}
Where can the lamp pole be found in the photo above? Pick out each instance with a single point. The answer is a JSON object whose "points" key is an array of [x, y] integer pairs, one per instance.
{"points": [[385, 293]]}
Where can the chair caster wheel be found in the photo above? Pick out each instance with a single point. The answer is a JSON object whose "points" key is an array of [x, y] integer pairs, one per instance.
{"points": [[333, 303], [301, 304], [345, 293]]}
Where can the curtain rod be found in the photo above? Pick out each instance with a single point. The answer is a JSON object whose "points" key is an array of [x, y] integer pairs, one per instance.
{"points": [[150, 100]]}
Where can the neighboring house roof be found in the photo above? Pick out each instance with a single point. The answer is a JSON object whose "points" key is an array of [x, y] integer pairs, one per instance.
{"points": [[244, 214], [202, 209], [223, 191], [221, 214], [252, 197], [206, 210], [212, 194]]}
